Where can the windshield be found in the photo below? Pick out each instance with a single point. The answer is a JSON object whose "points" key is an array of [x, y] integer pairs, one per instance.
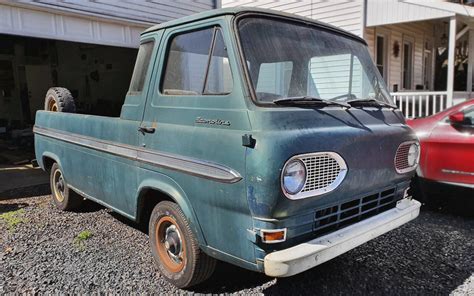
{"points": [[290, 59]]}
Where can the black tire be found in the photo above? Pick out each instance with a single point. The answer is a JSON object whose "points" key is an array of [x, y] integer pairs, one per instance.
{"points": [[59, 99], [195, 266], [64, 198]]}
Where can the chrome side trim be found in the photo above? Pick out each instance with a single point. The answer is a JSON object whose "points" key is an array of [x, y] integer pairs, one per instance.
{"points": [[455, 172], [188, 165]]}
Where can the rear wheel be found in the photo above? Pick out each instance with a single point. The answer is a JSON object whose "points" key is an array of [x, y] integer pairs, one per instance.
{"points": [[64, 198], [175, 248]]}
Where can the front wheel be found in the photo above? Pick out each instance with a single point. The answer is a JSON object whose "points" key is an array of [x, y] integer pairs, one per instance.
{"points": [[175, 249]]}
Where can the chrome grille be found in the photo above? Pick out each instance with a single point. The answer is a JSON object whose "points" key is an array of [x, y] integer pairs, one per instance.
{"points": [[332, 218], [401, 158], [322, 171]]}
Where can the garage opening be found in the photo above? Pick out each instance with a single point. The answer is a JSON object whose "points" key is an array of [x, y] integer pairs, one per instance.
{"points": [[98, 77]]}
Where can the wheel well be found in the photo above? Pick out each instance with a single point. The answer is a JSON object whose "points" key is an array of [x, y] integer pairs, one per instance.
{"points": [[48, 163], [147, 200]]}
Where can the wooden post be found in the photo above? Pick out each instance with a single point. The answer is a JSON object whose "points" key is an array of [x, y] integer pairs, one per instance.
{"points": [[470, 62], [451, 52]]}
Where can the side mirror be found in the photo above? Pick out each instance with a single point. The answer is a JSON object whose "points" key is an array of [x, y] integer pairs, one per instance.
{"points": [[457, 118]]}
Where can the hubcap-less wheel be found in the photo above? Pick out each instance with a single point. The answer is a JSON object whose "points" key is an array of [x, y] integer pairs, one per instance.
{"points": [[170, 245], [52, 106], [59, 185]]}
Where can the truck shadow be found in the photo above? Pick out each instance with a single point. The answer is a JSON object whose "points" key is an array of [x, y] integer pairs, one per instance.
{"points": [[25, 192], [4, 208], [422, 257]]}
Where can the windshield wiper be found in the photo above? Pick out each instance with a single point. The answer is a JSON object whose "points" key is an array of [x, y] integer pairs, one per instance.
{"points": [[308, 100], [371, 101]]}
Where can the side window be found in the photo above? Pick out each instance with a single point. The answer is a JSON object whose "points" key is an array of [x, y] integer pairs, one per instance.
{"points": [[197, 64], [141, 67], [219, 79]]}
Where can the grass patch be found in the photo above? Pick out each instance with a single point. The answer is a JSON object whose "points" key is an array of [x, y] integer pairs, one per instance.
{"points": [[13, 218], [80, 239]]}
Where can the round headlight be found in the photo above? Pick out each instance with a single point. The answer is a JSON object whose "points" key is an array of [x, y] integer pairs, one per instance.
{"points": [[413, 154], [294, 176]]}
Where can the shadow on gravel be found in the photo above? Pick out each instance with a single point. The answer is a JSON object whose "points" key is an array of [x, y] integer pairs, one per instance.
{"points": [[89, 206], [230, 279], [143, 227], [4, 208], [431, 255], [25, 192], [452, 204], [443, 198]]}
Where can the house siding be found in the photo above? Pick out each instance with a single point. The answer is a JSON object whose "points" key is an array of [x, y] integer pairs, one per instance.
{"points": [[344, 14], [116, 23], [419, 31], [383, 12], [157, 11]]}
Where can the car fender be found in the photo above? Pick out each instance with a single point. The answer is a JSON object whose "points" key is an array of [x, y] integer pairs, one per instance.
{"points": [[169, 187]]}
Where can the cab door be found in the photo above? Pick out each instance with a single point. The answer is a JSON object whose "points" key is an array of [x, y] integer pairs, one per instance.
{"points": [[193, 127], [110, 176], [452, 151]]}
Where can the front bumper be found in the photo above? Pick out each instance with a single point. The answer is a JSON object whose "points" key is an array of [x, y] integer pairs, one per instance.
{"points": [[307, 255]]}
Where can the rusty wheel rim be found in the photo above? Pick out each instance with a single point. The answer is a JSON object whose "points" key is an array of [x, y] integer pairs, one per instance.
{"points": [[170, 245], [58, 185], [52, 106]]}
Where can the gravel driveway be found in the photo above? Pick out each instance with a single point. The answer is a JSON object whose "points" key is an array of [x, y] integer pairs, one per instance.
{"points": [[95, 250]]}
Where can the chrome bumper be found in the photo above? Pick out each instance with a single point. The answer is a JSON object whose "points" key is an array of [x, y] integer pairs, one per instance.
{"points": [[312, 253]]}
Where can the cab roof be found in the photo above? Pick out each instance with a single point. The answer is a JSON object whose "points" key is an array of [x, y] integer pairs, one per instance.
{"points": [[244, 10]]}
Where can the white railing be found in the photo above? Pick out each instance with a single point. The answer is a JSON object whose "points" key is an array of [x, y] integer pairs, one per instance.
{"points": [[420, 104]]}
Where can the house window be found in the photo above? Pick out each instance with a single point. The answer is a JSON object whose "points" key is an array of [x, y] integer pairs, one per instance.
{"points": [[275, 78], [381, 55], [407, 65], [427, 67]]}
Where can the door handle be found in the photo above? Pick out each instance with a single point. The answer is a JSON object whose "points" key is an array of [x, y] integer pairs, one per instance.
{"points": [[146, 129]]}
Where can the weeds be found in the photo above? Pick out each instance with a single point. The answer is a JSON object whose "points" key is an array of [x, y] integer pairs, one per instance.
{"points": [[80, 239], [13, 218]]}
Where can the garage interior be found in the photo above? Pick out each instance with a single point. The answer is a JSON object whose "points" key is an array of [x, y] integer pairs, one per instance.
{"points": [[98, 77]]}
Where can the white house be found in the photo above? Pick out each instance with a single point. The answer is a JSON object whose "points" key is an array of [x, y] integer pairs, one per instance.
{"points": [[421, 47]]}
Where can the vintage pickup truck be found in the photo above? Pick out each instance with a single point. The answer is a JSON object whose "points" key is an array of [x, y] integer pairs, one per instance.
{"points": [[258, 138]]}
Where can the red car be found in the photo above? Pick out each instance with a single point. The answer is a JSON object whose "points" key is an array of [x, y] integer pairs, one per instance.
{"points": [[447, 148]]}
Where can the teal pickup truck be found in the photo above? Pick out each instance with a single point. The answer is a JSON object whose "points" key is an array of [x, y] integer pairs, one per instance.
{"points": [[258, 138]]}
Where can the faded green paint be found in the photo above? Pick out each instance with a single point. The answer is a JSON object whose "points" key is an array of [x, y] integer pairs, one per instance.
{"points": [[225, 217]]}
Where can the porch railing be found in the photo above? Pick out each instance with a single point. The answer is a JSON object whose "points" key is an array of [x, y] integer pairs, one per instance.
{"points": [[420, 104]]}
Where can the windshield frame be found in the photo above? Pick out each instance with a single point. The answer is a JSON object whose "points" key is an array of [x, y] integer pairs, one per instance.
{"points": [[288, 19]]}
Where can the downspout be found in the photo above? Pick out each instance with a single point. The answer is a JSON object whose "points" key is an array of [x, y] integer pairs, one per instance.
{"points": [[363, 20], [470, 63], [451, 52]]}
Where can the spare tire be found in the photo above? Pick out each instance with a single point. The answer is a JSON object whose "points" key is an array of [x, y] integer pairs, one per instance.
{"points": [[59, 99]]}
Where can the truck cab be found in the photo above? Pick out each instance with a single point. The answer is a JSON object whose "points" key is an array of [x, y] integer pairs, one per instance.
{"points": [[259, 138]]}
